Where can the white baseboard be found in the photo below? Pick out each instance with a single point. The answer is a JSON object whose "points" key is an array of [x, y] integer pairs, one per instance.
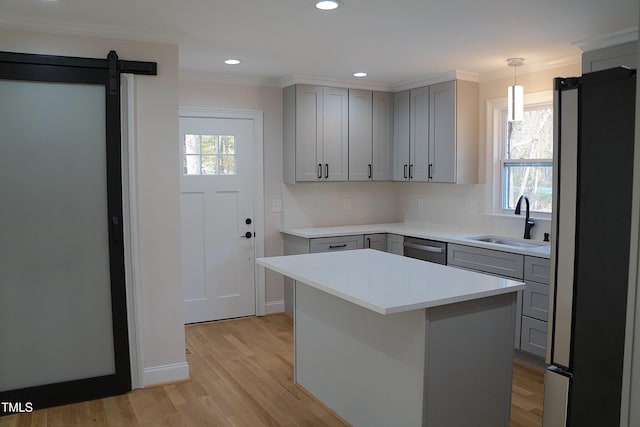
{"points": [[166, 373], [274, 307]]}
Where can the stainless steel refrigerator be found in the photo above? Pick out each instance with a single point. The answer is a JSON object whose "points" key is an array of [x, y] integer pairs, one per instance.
{"points": [[593, 164]]}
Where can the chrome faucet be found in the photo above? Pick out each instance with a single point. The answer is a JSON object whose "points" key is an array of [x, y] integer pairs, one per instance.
{"points": [[528, 222]]}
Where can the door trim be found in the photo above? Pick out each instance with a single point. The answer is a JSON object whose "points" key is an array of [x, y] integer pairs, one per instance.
{"points": [[133, 270], [258, 183]]}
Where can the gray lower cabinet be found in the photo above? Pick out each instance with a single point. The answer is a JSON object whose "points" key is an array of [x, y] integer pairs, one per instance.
{"points": [[333, 244], [486, 260], [535, 306], [533, 338], [533, 301], [500, 263], [395, 244], [376, 241], [294, 245]]}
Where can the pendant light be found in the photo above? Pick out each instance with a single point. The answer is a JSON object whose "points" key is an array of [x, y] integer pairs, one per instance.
{"points": [[515, 95]]}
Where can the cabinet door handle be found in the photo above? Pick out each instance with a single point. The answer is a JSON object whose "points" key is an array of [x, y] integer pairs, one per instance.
{"points": [[410, 171], [344, 245], [369, 242], [405, 171], [319, 171], [326, 170], [430, 170], [370, 171]]}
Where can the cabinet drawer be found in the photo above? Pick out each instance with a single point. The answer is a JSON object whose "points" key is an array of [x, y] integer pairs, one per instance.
{"points": [[330, 244], [486, 260], [535, 301], [536, 269], [534, 336]]}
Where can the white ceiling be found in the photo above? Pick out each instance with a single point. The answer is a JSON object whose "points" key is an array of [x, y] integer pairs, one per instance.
{"points": [[395, 41]]}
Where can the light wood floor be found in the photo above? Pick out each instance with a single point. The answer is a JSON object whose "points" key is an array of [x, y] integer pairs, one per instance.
{"points": [[241, 375]]}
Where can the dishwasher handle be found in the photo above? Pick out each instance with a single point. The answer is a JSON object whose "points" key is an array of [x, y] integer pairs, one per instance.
{"points": [[433, 249]]}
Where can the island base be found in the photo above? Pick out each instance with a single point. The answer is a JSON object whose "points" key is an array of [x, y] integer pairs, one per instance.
{"points": [[449, 365]]}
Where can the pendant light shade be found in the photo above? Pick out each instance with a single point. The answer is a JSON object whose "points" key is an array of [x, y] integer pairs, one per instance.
{"points": [[515, 99], [515, 94]]}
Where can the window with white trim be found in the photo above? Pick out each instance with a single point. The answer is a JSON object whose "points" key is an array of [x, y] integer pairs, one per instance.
{"points": [[525, 151]]}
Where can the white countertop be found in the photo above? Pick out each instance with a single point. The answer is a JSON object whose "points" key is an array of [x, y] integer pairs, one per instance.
{"points": [[388, 283], [405, 229]]}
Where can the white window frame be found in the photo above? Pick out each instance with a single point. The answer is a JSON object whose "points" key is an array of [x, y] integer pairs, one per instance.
{"points": [[496, 149]]}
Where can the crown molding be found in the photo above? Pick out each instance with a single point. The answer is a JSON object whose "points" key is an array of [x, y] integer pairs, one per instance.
{"points": [[322, 81], [612, 39], [530, 68], [9, 22], [232, 79], [446, 77], [351, 84]]}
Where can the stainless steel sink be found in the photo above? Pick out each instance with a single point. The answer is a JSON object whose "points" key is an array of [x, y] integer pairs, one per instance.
{"points": [[508, 241]]}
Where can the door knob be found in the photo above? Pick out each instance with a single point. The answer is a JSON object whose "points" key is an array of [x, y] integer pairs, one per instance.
{"points": [[247, 235]]}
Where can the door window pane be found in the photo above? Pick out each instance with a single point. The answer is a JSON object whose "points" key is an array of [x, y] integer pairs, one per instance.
{"points": [[209, 155]]}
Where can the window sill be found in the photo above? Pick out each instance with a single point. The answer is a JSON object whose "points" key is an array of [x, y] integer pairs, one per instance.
{"points": [[536, 216]]}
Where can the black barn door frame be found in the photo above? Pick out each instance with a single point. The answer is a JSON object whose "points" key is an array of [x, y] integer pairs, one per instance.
{"points": [[106, 72]]}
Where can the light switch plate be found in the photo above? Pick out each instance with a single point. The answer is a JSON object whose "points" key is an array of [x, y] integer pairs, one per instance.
{"points": [[276, 205]]}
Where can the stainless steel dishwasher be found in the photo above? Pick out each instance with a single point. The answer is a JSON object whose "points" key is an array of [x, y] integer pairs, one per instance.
{"points": [[426, 250]]}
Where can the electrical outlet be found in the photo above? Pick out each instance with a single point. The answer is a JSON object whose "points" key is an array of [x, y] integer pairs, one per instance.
{"points": [[420, 204], [347, 204], [276, 205]]}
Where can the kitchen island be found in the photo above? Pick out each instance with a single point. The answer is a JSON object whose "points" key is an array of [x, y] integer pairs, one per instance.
{"points": [[386, 340]]}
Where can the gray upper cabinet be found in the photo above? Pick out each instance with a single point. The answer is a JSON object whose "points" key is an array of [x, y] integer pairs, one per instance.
{"points": [[436, 136], [442, 144], [401, 125], [419, 135], [610, 57], [453, 132], [411, 135], [383, 136], [360, 135], [370, 135], [316, 133]]}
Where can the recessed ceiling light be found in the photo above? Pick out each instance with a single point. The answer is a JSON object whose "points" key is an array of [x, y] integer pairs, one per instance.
{"points": [[360, 74], [328, 4], [232, 61]]}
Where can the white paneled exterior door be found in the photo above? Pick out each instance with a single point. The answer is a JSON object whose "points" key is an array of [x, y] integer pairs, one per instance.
{"points": [[217, 215]]}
